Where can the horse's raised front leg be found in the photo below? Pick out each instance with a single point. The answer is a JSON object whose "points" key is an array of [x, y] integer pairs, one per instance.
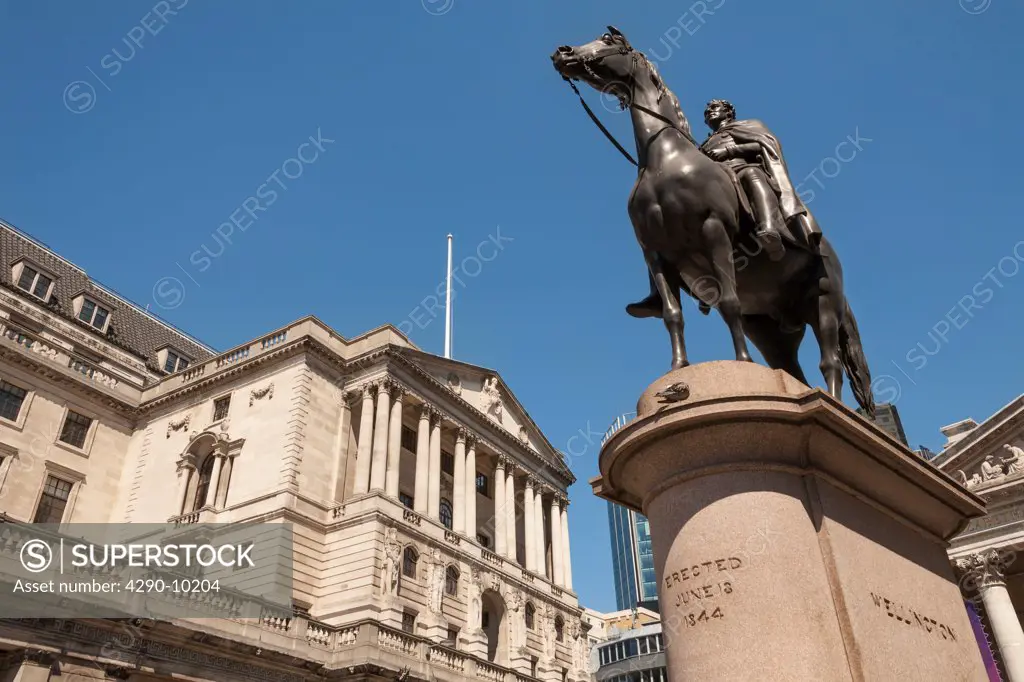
{"points": [[720, 255], [666, 280]]}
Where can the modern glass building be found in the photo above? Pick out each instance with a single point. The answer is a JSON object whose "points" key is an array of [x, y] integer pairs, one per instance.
{"points": [[632, 559]]}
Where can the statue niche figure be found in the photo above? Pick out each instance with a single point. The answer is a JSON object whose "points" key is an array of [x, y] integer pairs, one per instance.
{"points": [[688, 216]]}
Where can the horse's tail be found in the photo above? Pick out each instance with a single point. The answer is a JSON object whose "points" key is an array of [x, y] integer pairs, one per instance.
{"points": [[851, 352]]}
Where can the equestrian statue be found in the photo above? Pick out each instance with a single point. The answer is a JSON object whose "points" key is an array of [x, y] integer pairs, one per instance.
{"points": [[694, 208]]}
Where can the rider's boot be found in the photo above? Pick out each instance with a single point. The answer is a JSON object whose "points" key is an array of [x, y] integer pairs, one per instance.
{"points": [[648, 307]]}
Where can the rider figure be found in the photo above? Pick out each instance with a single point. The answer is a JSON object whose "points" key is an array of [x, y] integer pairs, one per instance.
{"points": [[750, 150]]}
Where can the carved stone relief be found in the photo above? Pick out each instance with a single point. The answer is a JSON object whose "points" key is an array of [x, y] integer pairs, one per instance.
{"points": [[454, 383], [178, 425], [493, 405], [996, 468], [260, 393], [392, 557]]}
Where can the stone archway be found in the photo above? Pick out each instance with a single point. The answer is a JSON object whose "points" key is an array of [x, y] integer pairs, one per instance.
{"points": [[495, 626]]}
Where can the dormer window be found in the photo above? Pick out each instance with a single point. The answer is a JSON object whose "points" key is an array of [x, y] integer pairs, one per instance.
{"points": [[174, 362], [93, 314], [34, 281], [171, 360]]}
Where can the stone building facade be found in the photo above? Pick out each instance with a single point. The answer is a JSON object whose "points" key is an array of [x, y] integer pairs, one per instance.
{"points": [[988, 459], [429, 511]]}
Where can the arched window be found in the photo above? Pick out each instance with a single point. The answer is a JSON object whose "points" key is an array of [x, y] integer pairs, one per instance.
{"points": [[205, 474], [530, 612], [559, 629], [451, 581], [445, 512], [409, 560]]}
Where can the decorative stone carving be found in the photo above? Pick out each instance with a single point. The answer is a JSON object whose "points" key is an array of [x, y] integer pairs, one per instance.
{"points": [[990, 470], [454, 383], [578, 633], [474, 616], [982, 570], [493, 405], [392, 557], [524, 435], [179, 425], [1013, 464], [436, 580], [547, 630], [260, 393], [516, 619]]}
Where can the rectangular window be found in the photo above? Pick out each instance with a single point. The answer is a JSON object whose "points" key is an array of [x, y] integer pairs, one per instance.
{"points": [[533, 666], [481, 484], [174, 362], [11, 398], [53, 502], [453, 636], [407, 500], [221, 407], [448, 463], [75, 429], [93, 314], [34, 282], [408, 439], [408, 622]]}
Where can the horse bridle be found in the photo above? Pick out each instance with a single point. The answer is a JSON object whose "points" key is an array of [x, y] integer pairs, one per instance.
{"points": [[625, 102]]}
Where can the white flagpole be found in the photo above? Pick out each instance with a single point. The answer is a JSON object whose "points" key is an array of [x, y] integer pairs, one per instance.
{"points": [[448, 305]]}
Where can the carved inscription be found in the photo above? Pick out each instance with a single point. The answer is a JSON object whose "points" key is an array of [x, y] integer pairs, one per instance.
{"points": [[902, 613], [701, 586]]}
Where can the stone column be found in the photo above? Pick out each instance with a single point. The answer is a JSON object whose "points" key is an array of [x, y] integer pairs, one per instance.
{"points": [[459, 484], [566, 562], [184, 474], [378, 470], [556, 540], [500, 534], [985, 573], [510, 511], [362, 483], [193, 486], [419, 501], [394, 442], [529, 525], [471, 489], [434, 469], [218, 466], [540, 550]]}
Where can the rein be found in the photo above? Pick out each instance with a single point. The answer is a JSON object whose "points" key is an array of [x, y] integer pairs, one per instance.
{"points": [[603, 129]]}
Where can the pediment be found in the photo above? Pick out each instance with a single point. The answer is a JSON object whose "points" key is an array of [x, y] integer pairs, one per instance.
{"points": [[994, 466], [484, 389]]}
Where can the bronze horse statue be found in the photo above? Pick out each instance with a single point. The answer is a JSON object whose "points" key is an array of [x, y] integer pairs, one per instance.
{"points": [[689, 219]]}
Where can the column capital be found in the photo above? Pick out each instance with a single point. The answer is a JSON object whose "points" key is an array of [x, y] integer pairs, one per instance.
{"points": [[398, 390], [428, 411], [367, 389], [460, 435], [531, 482], [386, 384], [502, 462], [983, 569]]}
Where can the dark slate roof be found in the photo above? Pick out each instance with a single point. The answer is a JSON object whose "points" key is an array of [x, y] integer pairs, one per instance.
{"points": [[131, 328]]}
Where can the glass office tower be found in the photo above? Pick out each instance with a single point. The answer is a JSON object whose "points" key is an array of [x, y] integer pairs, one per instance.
{"points": [[632, 559]]}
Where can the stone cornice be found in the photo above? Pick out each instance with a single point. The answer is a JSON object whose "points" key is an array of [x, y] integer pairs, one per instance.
{"points": [[67, 380]]}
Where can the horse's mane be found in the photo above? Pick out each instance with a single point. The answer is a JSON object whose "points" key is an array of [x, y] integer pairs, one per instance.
{"points": [[684, 125]]}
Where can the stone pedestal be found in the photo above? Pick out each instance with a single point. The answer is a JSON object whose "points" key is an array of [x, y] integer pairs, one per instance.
{"points": [[474, 643], [792, 539]]}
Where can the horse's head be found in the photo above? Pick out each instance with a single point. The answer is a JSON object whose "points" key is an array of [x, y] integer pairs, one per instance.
{"points": [[605, 64]]}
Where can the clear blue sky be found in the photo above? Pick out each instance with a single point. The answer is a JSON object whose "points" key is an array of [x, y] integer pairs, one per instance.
{"points": [[454, 120]]}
